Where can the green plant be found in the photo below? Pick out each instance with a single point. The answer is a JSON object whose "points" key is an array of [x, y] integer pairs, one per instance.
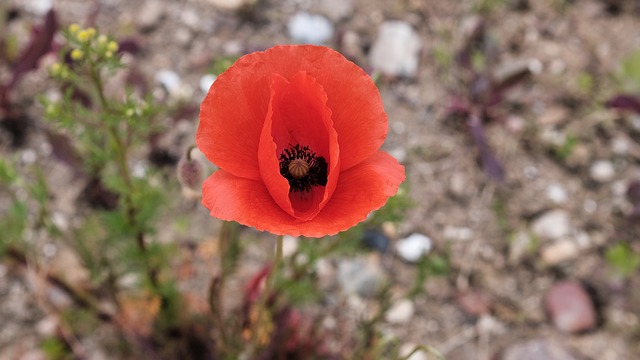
{"points": [[623, 260]]}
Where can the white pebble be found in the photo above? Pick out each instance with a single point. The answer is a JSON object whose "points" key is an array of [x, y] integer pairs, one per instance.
{"points": [[29, 156], [400, 312], [553, 224], [289, 245], [556, 193], [559, 252], [413, 247], [310, 29], [206, 81], [396, 50], [169, 80], [602, 171]]}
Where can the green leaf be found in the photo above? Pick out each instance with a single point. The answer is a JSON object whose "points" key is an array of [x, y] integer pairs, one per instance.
{"points": [[623, 259]]}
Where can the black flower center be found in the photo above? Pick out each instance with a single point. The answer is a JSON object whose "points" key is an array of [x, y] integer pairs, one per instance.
{"points": [[302, 168]]}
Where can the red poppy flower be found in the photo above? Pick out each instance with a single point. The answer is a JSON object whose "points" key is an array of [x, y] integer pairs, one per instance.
{"points": [[296, 132]]}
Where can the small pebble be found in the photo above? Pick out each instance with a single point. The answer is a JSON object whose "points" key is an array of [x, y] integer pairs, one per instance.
{"points": [[47, 326], [396, 50], [337, 10], [375, 240], [553, 116], [556, 193], [399, 153], [458, 185], [206, 81], [310, 29], [602, 171], [360, 277], [169, 80], [289, 245], [29, 156], [570, 307], [38, 7], [149, 15], [559, 252], [400, 312], [474, 303], [553, 224], [537, 349], [457, 233], [413, 247]]}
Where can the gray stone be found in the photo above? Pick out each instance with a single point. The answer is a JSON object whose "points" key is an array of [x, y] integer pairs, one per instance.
{"points": [[310, 29], [149, 14], [337, 10], [552, 225], [396, 50], [361, 277], [538, 349]]}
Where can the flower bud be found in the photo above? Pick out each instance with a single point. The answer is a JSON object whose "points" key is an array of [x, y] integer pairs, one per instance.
{"points": [[190, 171], [77, 54], [83, 36], [74, 28], [112, 46]]}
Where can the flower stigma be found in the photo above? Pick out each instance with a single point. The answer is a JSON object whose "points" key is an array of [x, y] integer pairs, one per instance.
{"points": [[302, 168]]}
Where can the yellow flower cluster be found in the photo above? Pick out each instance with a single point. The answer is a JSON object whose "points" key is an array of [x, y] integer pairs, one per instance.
{"points": [[87, 42]]}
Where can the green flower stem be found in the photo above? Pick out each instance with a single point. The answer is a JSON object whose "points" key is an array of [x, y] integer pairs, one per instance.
{"points": [[120, 149], [277, 259], [217, 286]]}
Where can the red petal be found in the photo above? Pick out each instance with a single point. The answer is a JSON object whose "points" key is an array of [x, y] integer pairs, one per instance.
{"points": [[357, 112], [231, 118], [235, 108], [243, 200], [298, 115], [362, 189]]}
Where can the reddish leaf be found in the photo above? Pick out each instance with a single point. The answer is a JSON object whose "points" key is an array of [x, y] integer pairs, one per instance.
{"points": [[624, 102], [490, 163], [40, 44], [633, 193], [129, 45]]}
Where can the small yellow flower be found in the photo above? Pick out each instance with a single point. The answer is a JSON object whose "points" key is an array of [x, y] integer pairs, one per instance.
{"points": [[130, 112], [102, 39], [74, 28], [112, 46], [83, 36], [77, 54], [55, 69], [91, 31]]}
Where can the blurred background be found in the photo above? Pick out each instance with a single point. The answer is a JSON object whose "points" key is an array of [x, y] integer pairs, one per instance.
{"points": [[518, 122]]}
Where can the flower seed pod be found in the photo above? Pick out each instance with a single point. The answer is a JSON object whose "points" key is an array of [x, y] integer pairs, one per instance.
{"points": [[190, 171]]}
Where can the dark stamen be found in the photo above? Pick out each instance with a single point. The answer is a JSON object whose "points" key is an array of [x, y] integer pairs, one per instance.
{"points": [[302, 168]]}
